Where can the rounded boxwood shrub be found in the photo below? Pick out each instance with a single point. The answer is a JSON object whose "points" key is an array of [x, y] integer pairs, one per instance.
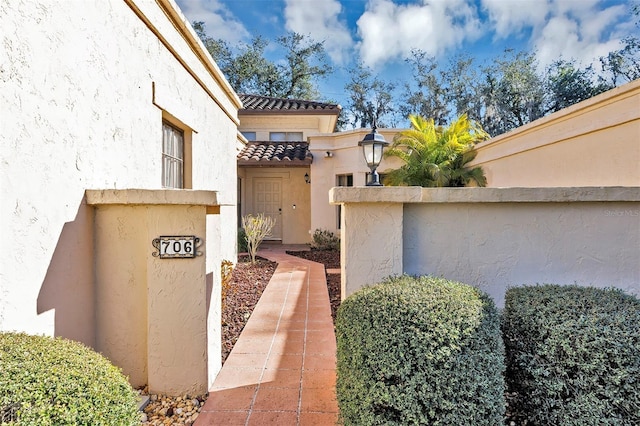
{"points": [[46, 381], [573, 354], [420, 351]]}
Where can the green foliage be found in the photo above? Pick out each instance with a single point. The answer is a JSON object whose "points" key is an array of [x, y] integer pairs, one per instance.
{"points": [[567, 85], [573, 354], [436, 156], [325, 240], [371, 100], [256, 228], [419, 351], [46, 381], [242, 241], [428, 94], [249, 71]]}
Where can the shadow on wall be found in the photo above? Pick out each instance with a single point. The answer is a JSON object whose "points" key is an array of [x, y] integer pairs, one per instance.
{"points": [[68, 286]]}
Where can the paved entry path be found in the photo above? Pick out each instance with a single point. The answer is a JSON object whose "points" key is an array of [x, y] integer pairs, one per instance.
{"points": [[281, 371]]}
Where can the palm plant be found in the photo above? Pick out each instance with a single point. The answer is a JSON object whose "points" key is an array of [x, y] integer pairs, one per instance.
{"points": [[437, 156]]}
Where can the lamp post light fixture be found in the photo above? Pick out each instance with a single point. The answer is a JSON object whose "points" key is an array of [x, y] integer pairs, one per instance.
{"points": [[372, 147]]}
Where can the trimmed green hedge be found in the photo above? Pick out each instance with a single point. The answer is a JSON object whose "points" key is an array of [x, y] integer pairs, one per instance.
{"points": [[573, 354], [46, 381], [420, 351], [242, 241]]}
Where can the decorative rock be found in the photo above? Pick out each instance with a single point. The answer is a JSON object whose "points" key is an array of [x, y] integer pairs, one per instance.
{"points": [[164, 410]]}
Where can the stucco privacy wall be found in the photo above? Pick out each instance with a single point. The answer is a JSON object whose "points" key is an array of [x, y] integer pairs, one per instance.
{"points": [[593, 143], [84, 92], [151, 315], [492, 238]]}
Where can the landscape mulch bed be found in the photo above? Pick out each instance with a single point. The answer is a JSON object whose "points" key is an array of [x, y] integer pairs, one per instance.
{"points": [[248, 281]]}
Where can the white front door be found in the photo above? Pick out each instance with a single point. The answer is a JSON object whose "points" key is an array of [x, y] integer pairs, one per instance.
{"points": [[268, 200]]}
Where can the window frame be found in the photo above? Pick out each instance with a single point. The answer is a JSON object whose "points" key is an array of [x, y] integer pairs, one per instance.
{"points": [[173, 155], [348, 181], [287, 136]]}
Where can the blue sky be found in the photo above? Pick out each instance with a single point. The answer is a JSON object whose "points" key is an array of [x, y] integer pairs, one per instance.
{"points": [[382, 33]]}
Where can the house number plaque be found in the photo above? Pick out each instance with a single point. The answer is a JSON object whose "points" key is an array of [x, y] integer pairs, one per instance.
{"points": [[177, 247]]}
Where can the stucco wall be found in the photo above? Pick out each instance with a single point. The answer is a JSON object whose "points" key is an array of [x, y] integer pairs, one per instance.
{"points": [[150, 309], [492, 238], [593, 143], [84, 92], [285, 121]]}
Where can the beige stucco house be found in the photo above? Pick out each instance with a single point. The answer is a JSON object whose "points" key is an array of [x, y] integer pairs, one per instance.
{"points": [[275, 167], [292, 158], [593, 143], [118, 185]]}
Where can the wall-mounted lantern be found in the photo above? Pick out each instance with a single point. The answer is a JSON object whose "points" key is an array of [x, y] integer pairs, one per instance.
{"points": [[372, 147], [307, 179]]}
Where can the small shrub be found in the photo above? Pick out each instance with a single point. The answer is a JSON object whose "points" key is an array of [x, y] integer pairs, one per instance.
{"points": [[419, 351], [242, 241], [46, 381], [325, 240], [573, 354], [256, 229]]}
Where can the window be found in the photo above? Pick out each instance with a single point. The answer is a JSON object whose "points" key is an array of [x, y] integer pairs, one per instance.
{"points": [[250, 136], [172, 156], [285, 136], [342, 180]]}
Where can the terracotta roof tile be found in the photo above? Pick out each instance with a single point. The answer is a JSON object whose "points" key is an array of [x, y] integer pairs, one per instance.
{"points": [[255, 103], [275, 154]]}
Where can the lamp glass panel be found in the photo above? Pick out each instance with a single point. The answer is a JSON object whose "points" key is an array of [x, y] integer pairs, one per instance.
{"points": [[367, 150], [377, 153]]}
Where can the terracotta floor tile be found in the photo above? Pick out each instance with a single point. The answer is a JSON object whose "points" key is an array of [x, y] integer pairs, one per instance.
{"points": [[294, 335], [325, 325], [318, 419], [285, 361], [293, 324], [321, 347], [281, 379], [319, 400], [252, 346], [324, 361], [258, 360], [277, 399], [237, 377], [319, 379], [278, 418], [222, 418], [233, 399]]}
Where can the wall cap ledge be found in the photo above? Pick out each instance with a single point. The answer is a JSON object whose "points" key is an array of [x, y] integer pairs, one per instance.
{"points": [[97, 197], [375, 194], [415, 194]]}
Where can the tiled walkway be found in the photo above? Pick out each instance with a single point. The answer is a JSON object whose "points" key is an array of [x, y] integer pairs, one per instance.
{"points": [[282, 369]]}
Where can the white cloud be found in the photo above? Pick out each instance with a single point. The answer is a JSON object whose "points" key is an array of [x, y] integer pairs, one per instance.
{"points": [[579, 36], [219, 21], [389, 31], [510, 17], [320, 20], [567, 29]]}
